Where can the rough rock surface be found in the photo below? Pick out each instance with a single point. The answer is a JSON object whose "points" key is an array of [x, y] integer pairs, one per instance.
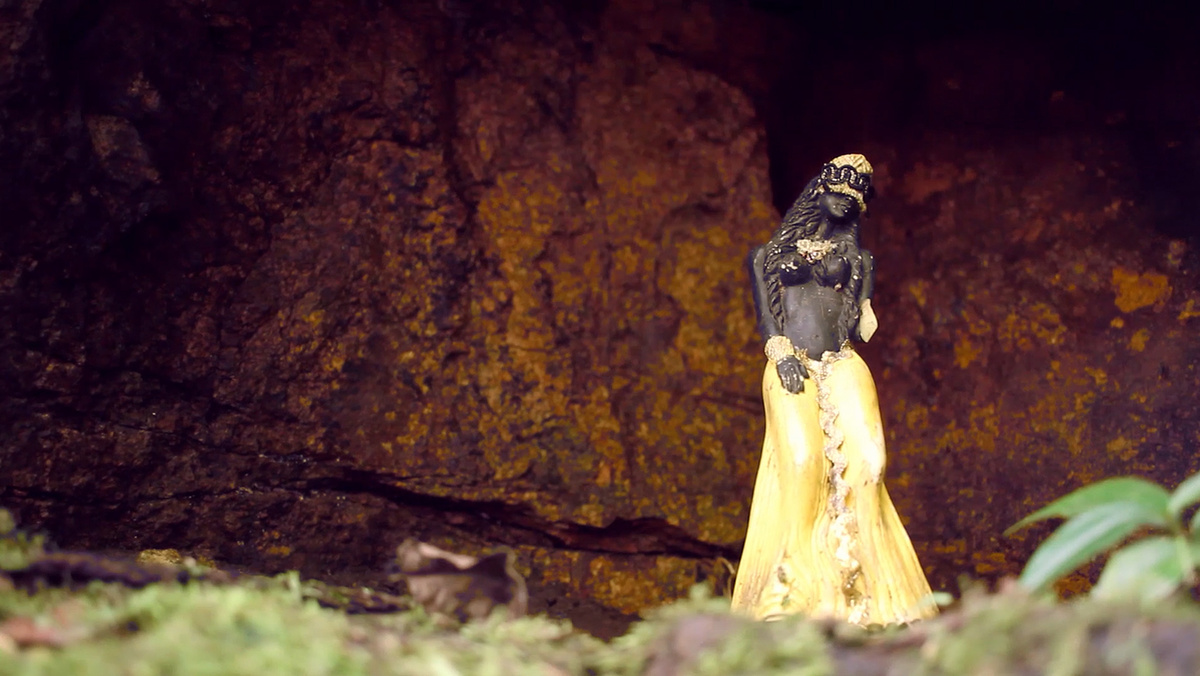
{"points": [[284, 286], [1051, 347], [321, 280], [1039, 281]]}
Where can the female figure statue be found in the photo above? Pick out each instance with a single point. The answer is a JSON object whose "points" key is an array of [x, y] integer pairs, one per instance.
{"points": [[824, 538]]}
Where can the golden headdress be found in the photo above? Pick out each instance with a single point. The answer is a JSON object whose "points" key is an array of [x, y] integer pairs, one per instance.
{"points": [[849, 175]]}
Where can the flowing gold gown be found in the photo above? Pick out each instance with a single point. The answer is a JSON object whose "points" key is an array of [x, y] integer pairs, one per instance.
{"points": [[824, 539]]}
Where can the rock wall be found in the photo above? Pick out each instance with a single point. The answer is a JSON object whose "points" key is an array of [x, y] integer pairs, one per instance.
{"points": [[330, 278], [1045, 342]]}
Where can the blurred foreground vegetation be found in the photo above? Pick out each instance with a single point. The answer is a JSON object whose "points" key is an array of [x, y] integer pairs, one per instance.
{"points": [[255, 625]]}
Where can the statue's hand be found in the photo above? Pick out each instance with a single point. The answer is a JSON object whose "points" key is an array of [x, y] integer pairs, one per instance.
{"points": [[792, 374]]}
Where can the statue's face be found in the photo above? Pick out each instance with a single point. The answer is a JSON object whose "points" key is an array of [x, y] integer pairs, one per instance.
{"points": [[840, 208]]}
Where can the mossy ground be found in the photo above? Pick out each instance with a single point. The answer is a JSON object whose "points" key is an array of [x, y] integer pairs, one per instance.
{"points": [[235, 629], [254, 625]]}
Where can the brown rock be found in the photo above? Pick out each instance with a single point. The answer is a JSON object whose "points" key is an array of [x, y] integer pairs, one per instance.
{"points": [[446, 276], [1049, 349]]}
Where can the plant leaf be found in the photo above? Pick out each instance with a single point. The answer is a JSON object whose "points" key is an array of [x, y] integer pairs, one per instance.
{"points": [[1117, 489], [1186, 494], [1195, 525], [1082, 538], [1147, 569]]}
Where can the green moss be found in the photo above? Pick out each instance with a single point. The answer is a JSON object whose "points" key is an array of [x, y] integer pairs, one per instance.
{"points": [[267, 629], [700, 636], [1016, 633], [17, 548], [197, 629], [274, 626]]}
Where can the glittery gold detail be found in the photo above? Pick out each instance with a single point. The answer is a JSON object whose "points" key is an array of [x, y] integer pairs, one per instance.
{"points": [[855, 161], [813, 250], [858, 163], [778, 348], [843, 528]]}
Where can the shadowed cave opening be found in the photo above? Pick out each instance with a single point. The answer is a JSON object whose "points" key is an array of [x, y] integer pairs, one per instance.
{"points": [[1004, 72]]}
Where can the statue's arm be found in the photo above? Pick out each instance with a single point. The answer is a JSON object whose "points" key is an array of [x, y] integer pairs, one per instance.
{"points": [[867, 322], [868, 273], [756, 265], [790, 369]]}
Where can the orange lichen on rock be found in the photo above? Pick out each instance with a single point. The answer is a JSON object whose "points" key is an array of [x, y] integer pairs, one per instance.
{"points": [[1016, 379], [1030, 326], [1137, 342], [1135, 291], [1188, 311], [606, 286], [634, 584]]}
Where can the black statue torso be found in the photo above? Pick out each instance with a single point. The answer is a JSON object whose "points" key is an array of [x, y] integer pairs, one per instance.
{"points": [[811, 278], [811, 313]]}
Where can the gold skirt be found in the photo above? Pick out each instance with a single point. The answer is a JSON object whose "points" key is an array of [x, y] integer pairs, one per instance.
{"points": [[824, 539]]}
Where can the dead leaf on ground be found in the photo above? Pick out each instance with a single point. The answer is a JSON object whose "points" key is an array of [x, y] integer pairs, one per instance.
{"points": [[460, 586], [25, 632]]}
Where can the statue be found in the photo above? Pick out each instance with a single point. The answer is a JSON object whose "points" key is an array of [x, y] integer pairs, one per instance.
{"points": [[824, 539]]}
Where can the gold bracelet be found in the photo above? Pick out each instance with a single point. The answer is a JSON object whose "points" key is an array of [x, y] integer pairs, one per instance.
{"points": [[779, 347]]}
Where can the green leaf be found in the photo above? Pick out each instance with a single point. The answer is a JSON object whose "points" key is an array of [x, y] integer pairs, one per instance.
{"points": [[1148, 569], [1185, 495], [1082, 538], [1133, 489], [1194, 528]]}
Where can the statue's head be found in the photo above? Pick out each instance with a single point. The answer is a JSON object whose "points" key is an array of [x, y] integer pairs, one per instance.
{"points": [[848, 175], [839, 193]]}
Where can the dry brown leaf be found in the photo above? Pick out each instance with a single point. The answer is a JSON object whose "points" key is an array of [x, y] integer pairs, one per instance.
{"points": [[24, 631], [460, 586]]}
